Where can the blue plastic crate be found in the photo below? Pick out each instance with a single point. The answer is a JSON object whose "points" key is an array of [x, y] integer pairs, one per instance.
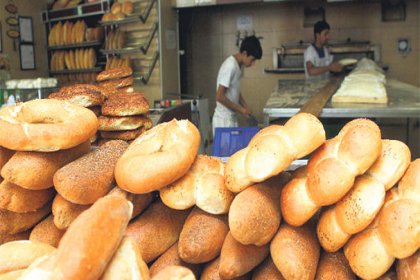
{"points": [[228, 140]]}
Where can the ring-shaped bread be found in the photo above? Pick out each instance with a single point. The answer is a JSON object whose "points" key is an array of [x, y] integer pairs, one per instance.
{"points": [[45, 125], [158, 157]]}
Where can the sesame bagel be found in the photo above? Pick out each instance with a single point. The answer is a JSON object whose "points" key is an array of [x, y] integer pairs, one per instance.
{"points": [[84, 98], [125, 104], [45, 125], [124, 123], [118, 83], [115, 73], [158, 157], [125, 135]]}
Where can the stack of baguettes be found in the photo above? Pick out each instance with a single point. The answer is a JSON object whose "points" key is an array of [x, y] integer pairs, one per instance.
{"points": [[246, 219], [124, 114]]}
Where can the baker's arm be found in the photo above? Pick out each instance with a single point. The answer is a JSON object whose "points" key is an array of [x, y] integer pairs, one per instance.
{"points": [[221, 97], [313, 70]]}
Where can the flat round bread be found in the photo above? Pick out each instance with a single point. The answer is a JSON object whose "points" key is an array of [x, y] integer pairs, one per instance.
{"points": [[347, 61]]}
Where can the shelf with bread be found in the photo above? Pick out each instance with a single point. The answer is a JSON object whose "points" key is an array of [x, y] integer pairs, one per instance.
{"points": [[123, 13], [123, 42], [75, 11]]}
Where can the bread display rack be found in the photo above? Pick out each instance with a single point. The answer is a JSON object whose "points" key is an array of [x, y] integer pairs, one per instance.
{"points": [[137, 33], [73, 41]]}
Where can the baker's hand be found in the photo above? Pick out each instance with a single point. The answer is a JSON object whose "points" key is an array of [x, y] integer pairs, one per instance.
{"points": [[335, 67], [245, 111]]}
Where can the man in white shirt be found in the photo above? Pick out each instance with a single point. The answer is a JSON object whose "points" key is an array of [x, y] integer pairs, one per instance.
{"points": [[317, 60], [229, 100]]}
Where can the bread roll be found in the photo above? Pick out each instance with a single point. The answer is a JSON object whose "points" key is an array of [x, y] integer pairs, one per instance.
{"points": [[174, 272], [358, 208], [395, 231], [267, 270], [47, 232], [140, 201], [5, 155], [171, 257], [334, 266], [202, 236], [237, 259], [272, 150], [211, 272], [156, 230], [127, 8], [202, 185], [65, 212], [92, 239], [295, 252], [254, 216], [20, 200], [331, 171], [11, 222], [17, 255], [90, 177], [7, 237], [409, 268], [41, 268], [116, 8], [127, 263], [35, 170]]}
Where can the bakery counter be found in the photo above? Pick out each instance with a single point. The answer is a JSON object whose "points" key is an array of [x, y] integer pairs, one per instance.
{"points": [[291, 95]]}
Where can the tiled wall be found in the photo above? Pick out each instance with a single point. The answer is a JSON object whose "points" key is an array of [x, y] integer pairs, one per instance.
{"points": [[212, 38]]}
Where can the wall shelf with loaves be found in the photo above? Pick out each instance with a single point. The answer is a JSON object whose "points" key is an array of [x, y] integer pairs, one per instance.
{"points": [[74, 37], [131, 31]]}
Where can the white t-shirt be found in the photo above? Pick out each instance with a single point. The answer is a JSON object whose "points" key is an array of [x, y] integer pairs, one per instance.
{"points": [[229, 76], [312, 55]]}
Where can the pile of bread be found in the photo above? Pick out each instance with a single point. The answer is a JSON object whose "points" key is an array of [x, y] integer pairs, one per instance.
{"points": [[63, 4], [115, 39], [353, 210], [119, 10], [69, 33], [365, 84]]}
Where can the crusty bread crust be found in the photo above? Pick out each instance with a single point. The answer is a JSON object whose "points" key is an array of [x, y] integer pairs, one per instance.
{"points": [[125, 104], [47, 232], [107, 123]]}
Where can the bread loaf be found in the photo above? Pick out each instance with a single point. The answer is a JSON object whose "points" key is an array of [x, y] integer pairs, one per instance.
{"points": [[5, 155], [334, 266], [127, 8], [237, 259], [361, 204], [35, 170], [171, 257], [17, 255], [211, 272], [202, 185], [65, 212], [90, 177], [202, 236], [127, 263], [11, 222], [331, 171], [156, 230], [272, 150], [92, 239], [20, 200], [395, 231], [47, 232], [140, 201], [409, 268], [267, 270], [254, 216], [295, 252], [174, 272]]}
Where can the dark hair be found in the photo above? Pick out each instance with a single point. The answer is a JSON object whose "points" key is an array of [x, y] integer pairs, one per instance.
{"points": [[252, 47], [320, 26]]}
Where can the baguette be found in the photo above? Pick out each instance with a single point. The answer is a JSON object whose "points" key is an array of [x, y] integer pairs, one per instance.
{"points": [[171, 257], [295, 252], [90, 177], [361, 204], [20, 200], [35, 170], [202, 236], [267, 270], [254, 216], [84, 251], [17, 255], [127, 263], [395, 231], [156, 230], [331, 171], [46, 232], [275, 146]]}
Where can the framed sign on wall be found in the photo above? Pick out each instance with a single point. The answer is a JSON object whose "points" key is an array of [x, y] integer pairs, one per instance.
{"points": [[26, 30], [27, 57]]}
